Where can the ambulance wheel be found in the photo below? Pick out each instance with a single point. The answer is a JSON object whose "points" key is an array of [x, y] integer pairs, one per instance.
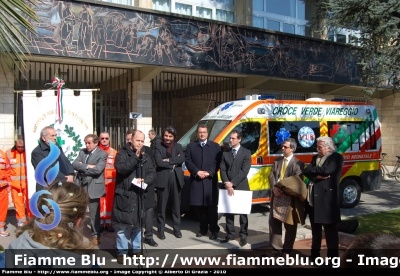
{"points": [[350, 193]]}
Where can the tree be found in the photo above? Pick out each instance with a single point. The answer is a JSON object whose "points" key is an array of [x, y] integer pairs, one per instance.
{"points": [[13, 15], [378, 24]]}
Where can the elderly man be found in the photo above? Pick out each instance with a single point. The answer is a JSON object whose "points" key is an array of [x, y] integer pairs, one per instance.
{"points": [[66, 171], [322, 203]]}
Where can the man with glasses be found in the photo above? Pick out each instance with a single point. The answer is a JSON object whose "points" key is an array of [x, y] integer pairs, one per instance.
{"points": [[66, 171], [202, 158], [106, 202], [283, 167]]}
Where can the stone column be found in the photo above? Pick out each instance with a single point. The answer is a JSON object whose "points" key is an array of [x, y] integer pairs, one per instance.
{"points": [[142, 103]]}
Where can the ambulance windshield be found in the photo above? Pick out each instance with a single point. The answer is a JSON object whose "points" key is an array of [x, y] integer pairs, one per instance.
{"points": [[215, 127]]}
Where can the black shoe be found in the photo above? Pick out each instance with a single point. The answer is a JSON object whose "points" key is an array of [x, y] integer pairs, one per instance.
{"points": [[200, 234], [110, 229], [243, 242], [161, 236], [213, 236], [150, 242], [227, 239], [178, 234]]}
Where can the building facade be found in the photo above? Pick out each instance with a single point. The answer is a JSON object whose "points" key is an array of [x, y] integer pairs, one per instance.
{"points": [[172, 61]]}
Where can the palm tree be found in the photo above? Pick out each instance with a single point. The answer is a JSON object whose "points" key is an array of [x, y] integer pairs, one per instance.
{"points": [[13, 15]]}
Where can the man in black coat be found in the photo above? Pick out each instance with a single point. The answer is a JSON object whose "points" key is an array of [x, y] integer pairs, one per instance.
{"points": [[148, 197], [133, 166], [169, 157], [66, 171], [202, 159], [154, 139], [235, 165], [322, 203]]}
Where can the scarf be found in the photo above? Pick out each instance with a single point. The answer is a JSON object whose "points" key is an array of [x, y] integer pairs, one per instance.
{"points": [[168, 147], [318, 163]]}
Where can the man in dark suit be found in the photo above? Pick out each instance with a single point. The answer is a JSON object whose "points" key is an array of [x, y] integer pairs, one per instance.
{"points": [[235, 165], [322, 203], [202, 158], [90, 165], [295, 215], [66, 171], [169, 157]]}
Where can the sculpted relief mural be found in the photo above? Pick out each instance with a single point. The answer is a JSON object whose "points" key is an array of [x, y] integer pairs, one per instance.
{"points": [[91, 31]]}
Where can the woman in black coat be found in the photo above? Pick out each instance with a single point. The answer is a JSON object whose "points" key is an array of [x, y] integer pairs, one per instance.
{"points": [[322, 204]]}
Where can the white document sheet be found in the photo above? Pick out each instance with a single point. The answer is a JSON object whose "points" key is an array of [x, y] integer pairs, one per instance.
{"points": [[138, 184], [239, 203]]}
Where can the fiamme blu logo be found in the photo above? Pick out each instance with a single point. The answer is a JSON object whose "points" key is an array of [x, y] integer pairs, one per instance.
{"points": [[45, 179]]}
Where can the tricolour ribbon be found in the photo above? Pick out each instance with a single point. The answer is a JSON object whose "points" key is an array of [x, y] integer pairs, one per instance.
{"points": [[59, 106]]}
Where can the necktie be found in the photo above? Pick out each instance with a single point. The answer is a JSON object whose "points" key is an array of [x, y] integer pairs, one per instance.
{"points": [[283, 169], [86, 179], [234, 153], [88, 157], [202, 144]]}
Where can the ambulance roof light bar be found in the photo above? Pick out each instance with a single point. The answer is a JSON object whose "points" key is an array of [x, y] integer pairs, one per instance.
{"points": [[256, 97]]}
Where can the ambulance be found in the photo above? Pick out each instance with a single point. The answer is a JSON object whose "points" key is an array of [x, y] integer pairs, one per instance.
{"points": [[266, 123]]}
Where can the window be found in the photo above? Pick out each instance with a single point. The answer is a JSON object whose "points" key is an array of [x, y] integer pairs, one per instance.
{"points": [[122, 2], [258, 22], [353, 136], [288, 28], [304, 132], [204, 12], [226, 2], [251, 136], [282, 7], [225, 16], [341, 38], [273, 25], [183, 9], [281, 15], [162, 5]]}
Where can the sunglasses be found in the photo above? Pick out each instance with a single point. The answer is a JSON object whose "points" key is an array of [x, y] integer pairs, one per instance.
{"points": [[104, 138]]}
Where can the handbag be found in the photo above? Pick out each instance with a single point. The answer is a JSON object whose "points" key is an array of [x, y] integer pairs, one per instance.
{"points": [[294, 186]]}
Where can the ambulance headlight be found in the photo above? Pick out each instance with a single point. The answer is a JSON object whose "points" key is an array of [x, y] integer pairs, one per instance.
{"points": [[261, 110]]}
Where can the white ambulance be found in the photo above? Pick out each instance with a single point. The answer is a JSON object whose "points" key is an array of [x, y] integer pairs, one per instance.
{"points": [[265, 123]]}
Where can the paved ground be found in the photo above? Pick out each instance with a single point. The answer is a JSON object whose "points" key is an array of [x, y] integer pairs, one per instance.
{"points": [[386, 198]]}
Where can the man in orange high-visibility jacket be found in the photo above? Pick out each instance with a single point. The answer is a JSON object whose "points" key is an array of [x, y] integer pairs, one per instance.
{"points": [[19, 189], [106, 202], [4, 185]]}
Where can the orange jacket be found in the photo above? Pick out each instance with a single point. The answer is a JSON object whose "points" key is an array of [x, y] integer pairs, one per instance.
{"points": [[5, 170], [110, 172], [17, 163]]}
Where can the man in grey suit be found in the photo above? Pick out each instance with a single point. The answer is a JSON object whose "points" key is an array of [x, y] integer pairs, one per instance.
{"points": [[295, 215], [235, 165], [90, 165]]}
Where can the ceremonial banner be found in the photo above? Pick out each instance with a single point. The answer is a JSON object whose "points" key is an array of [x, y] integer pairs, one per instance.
{"points": [[75, 122]]}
